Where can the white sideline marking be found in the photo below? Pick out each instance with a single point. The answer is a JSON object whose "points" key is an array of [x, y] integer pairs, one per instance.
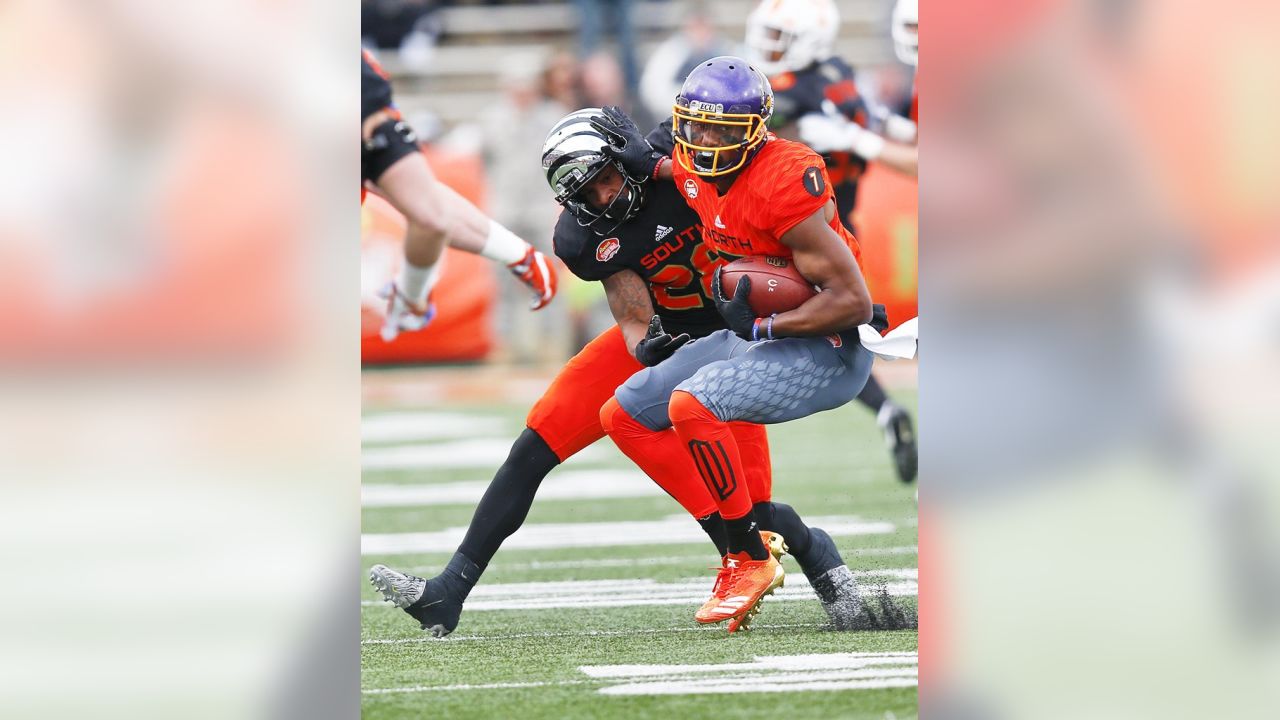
{"points": [[670, 531], [565, 485], [632, 593], [777, 673], [484, 452], [406, 426]]}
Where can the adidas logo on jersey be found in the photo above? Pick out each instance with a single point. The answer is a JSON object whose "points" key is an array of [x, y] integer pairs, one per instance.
{"points": [[662, 232]]}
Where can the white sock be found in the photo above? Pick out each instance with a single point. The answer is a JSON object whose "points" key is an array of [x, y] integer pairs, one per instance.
{"points": [[416, 282], [503, 245]]}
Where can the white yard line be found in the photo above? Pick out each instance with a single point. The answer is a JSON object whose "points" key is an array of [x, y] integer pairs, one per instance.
{"points": [[399, 427], [563, 485], [813, 661], [800, 682], [475, 452], [485, 686], [669, 531], [568, 633], [638, 593], [587, 563], [779, 673]]}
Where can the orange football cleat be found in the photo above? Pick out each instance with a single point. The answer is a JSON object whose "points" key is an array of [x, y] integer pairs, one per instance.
{"points": [[537, 272], [719, 591], [776, 547], [747, 583]]}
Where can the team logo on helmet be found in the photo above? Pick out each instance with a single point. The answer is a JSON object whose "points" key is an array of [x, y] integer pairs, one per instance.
{"points": [[690, 188], [607, 249]]}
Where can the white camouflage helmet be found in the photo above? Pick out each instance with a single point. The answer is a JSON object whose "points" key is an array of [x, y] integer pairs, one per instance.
{"points": [[573, 156], [789, 35], [906, 31]]}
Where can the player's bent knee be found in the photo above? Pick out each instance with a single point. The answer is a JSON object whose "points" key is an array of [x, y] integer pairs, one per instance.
{"points": [[685, 407], [640, 397], [608, 415]]}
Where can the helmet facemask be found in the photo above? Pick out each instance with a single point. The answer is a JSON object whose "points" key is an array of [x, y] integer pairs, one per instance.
{"points": [[572, 159], [711, 142], [624, 205]]}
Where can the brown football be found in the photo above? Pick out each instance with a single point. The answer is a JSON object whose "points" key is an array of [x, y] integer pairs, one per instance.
{"points": [[776, 285]]}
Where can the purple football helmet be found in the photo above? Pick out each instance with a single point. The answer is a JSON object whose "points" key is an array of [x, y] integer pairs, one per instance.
{"points": [[720, 116]]}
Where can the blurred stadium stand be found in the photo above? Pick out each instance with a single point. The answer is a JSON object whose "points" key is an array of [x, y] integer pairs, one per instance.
{"points": [[460, 75]]}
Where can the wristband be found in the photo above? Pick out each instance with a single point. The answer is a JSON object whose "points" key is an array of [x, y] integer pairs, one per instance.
{"points": [[768, 330], [658, 167], [755, 328]]}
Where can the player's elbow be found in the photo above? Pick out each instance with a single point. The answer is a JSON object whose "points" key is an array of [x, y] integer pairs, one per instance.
{"points": [[858, 307]]}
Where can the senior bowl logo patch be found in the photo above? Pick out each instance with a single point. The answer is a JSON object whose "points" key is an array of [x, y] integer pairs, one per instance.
{"points": [[607, 249], [691, 188]]}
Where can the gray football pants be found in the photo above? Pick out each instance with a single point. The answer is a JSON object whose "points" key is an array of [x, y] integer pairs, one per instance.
{"points": [[757, 382]]}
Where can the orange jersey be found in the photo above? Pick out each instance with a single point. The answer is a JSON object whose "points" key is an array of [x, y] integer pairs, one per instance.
{"points": [[783, 184]]}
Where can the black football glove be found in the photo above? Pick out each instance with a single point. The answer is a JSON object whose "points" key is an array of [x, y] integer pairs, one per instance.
{"points": [[658, 345], [736, 311], [627, 144]]}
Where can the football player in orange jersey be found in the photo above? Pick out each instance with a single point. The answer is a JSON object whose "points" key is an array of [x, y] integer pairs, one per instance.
{"points": [[755, 195], [791, 42], [436, 216]]}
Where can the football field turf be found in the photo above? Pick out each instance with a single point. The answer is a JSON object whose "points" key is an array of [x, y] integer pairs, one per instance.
{"points": [[587, 611]]}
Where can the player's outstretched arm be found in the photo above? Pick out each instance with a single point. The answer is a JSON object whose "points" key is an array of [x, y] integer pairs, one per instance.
{"points": [[633, 309], [822, 258], [825, 133]]}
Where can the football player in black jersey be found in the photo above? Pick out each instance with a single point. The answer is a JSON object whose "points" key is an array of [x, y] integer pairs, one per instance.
{"points": [[435, 215], [791, 42], [643, 242]]}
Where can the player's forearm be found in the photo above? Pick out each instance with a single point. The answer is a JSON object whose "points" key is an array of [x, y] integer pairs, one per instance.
{"points": [[630, 304], [825, 313]]}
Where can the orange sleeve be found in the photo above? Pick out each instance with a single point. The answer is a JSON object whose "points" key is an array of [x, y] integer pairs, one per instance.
{"points": [[798, 187]]}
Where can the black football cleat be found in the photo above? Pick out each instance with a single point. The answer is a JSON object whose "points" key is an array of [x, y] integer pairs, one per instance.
{"points": [[428, 601]]}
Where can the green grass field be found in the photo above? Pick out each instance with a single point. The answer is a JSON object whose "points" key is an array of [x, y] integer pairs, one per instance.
{"points": [[549, 655]]}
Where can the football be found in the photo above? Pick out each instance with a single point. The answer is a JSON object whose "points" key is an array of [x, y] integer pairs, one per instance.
{"points": [[776, 285]]}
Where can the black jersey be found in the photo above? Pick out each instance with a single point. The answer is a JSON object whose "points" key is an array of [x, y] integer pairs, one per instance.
{"points": [[375, 89], [663, 244], [796, 94]]}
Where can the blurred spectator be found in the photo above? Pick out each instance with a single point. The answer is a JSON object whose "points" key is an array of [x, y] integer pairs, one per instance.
{"points": [[535, 93], [411, 26], [676, 57], [591, 28], [560, 76]]}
